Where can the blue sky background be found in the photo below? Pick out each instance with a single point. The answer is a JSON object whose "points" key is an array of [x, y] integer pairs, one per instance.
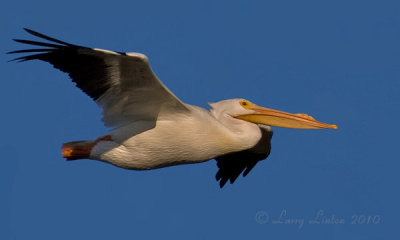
{"points": [[338, 61]]}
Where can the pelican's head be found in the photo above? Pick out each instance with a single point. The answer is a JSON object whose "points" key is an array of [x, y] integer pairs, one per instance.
{"points": [[250, 112]]}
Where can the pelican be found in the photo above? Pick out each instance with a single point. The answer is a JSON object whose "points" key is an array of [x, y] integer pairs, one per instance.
{"points": [[150, 127]]}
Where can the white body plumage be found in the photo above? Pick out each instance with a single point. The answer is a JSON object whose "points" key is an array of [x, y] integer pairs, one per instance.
{"points": [[194, 136]]}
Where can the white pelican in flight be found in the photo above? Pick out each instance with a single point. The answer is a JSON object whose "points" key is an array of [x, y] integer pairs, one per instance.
{"points": [[151, 127]]}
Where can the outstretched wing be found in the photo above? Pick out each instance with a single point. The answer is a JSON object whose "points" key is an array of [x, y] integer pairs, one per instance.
{"points": [[232, 165], [122, 84]]}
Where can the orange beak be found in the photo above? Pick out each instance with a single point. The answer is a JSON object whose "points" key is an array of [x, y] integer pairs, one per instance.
{"points": [[278, 118]]}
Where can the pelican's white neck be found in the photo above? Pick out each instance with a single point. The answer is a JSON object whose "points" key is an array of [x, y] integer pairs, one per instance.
{"points": [[246, 134]]}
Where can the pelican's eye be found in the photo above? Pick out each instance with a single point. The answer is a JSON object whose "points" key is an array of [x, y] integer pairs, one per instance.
{"points": [[245, 104]]}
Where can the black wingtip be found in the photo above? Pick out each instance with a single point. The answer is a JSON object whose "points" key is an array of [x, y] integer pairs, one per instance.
{"points": [[36, 43], [30, 50], [40, 35], [233, 179], [30, 31], [223, 182], [248, 169], [218, 176]]}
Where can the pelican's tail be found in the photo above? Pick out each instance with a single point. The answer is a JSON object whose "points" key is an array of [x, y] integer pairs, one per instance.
{"points": [[81, 149]]}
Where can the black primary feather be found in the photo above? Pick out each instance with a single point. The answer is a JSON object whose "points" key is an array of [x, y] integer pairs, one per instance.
{"points": [[231, 165], [85, 66]]}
